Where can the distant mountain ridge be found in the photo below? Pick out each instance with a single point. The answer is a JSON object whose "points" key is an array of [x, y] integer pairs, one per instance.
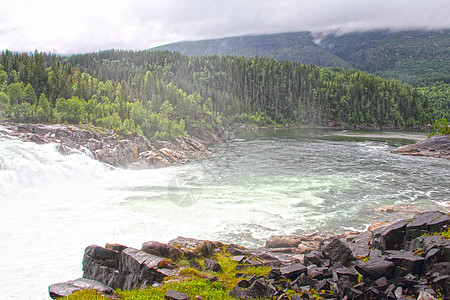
{"points": [[294, 46], [413, 56]]}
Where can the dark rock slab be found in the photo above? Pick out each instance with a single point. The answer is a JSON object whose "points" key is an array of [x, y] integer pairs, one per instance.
{"points": [[160, 249], [442, 268], [337, 251], [437, 146], [314, 258], [200, 248], [237, 293], [391, 238], [238, 258], [293, 271], [212, 265], [438, 224], [283, 241], [260, 289], [441, 284], [174, 295], [419, 224], [141, 268], [407, 261], [98, 252], [424, 243], [375, 269], [195, 264], [66, 288]]}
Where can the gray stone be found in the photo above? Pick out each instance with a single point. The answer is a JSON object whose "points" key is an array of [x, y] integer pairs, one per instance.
{"points": [[293, 271], [212, 265], [407, 261], [338, 251], [160, 249], [375, 269], [66, 288], [391, 238], [174, 295]]}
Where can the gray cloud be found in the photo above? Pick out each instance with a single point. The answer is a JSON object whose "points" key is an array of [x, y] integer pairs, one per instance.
{"points": [[139, 24]]}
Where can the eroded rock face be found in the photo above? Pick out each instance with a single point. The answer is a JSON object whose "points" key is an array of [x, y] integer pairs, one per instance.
{"points": [[436, 146], [119, 151], [66, 288], [362, 266]]}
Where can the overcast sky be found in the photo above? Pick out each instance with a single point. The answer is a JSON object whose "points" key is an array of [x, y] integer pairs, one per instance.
{"points": [[68, 26]]}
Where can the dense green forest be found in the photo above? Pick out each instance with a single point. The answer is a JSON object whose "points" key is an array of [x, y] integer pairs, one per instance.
{"points": [[286, 91], [164, 95], [417, 57]]}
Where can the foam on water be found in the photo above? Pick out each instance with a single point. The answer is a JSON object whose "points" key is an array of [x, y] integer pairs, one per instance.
{"points": [[262, 184]]}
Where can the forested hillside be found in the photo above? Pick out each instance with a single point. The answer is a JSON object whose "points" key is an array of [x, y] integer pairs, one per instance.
{"points": [[298, 46], [164, 94], [415, 57], [42, 89]]}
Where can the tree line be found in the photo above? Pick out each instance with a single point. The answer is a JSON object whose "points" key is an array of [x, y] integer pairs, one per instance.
{"points": [[165, 95]]}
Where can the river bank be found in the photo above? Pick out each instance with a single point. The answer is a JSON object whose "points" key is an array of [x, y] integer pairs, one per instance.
{"points": [[115, 149], [437, 146], [407, 259]]}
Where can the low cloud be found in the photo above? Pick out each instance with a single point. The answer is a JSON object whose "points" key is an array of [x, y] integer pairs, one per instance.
{"points": [[84, 26]]}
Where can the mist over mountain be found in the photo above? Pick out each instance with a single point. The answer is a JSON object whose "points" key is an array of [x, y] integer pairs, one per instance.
{"points": [[412, 56]]}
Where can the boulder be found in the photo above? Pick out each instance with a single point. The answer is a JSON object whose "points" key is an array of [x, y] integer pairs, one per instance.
{"points": [[337, 251], [141, 268], [174, 295], [391, 237], [419, 224], [66, 288], [283, 241], [293, 271], [160, 249], [238, 293], [259, 289], [195, 264], [407, 261], [193, 247], [212, 265], [436, 146], [439, 223], [376, 268]]}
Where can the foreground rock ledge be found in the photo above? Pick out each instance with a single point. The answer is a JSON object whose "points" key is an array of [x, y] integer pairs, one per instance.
{"points": [[437, 146], [117, 150], [409, 259]]}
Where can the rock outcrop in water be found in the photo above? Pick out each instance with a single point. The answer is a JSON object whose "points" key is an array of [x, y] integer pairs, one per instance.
{"points": [[405, 260], [436, 146], [118, 150]]}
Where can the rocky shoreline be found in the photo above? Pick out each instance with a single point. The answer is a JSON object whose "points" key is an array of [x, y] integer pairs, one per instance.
{"points": [[115, 149], [409, 259], [437, 146]]}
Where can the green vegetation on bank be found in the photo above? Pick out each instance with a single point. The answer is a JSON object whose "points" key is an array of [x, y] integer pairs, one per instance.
{"points": [[166, 95], [440, 127], [439, 95], [190, 281]]}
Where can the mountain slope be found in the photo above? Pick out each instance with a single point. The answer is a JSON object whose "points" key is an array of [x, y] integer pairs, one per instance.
{"points": [[299, 46], [417, 57], [411, 56]]}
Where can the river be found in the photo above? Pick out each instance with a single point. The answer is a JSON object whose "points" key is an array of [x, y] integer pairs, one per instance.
{"points": [[289, 181]]}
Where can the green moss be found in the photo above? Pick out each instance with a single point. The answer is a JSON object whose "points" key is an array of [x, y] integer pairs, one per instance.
{"points": [[446, 234], [192, 288], [85, 295], [418, 252]]}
